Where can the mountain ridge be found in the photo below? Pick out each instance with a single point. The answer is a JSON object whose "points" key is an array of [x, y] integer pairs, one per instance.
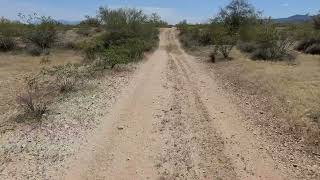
{"points": [[294, 19]]}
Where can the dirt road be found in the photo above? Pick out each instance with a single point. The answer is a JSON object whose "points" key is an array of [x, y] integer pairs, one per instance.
{"points": [[174, 122]]}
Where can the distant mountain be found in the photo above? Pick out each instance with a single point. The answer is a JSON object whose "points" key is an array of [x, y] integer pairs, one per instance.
{"points": [[66, 22], [294, 19]]}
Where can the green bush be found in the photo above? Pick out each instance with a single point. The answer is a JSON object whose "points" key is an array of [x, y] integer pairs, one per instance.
{"points": [[224, 43], [128, 34], [271, 45], [117, 55], [248, 33], [195, 35], [236, 14], [90, 51]]}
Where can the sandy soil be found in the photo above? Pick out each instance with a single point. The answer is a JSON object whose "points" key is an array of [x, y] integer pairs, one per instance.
{"points": [[172, 121]]}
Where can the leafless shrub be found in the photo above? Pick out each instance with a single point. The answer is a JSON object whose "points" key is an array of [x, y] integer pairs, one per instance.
{"points": [[32, 101], [67, 78]]}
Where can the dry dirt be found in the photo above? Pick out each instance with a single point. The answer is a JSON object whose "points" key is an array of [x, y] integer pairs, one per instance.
{"points": [[172, 120]]}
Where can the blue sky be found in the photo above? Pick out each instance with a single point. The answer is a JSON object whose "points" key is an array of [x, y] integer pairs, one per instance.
{"points": [[171, 10]]}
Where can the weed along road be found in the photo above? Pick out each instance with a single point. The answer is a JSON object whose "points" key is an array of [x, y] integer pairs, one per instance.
{"points": [[174, 122]]}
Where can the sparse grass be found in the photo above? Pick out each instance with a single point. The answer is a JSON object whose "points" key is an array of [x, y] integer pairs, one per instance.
{"points": [[293, 91]]}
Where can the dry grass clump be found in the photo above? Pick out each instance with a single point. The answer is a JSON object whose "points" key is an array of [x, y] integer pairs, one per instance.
{"points": [[294, 90]]}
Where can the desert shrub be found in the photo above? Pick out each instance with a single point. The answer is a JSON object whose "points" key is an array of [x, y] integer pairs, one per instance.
{"points": [[156, 20], [116, 55], [69, 45], [122, 54], [7, 43], [313, 49], [262, 54], [67, 77], [304, 44], [90, 50], [271, 45], [247, 47], [195, 35], [248, 33], [309, 46], [316, 21], [34, 50], [91, 22], [124, 19], [32, 101], [224, 43], [236, 14], [43, 33], [225, 50], [84, 31], [128, 34], [115, 38], [11, 28], [205, 37], [32, 107]]}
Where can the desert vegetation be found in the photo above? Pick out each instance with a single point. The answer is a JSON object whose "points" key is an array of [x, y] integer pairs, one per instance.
{"points": [[269, 60], [253, 33], [112, 37]]}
